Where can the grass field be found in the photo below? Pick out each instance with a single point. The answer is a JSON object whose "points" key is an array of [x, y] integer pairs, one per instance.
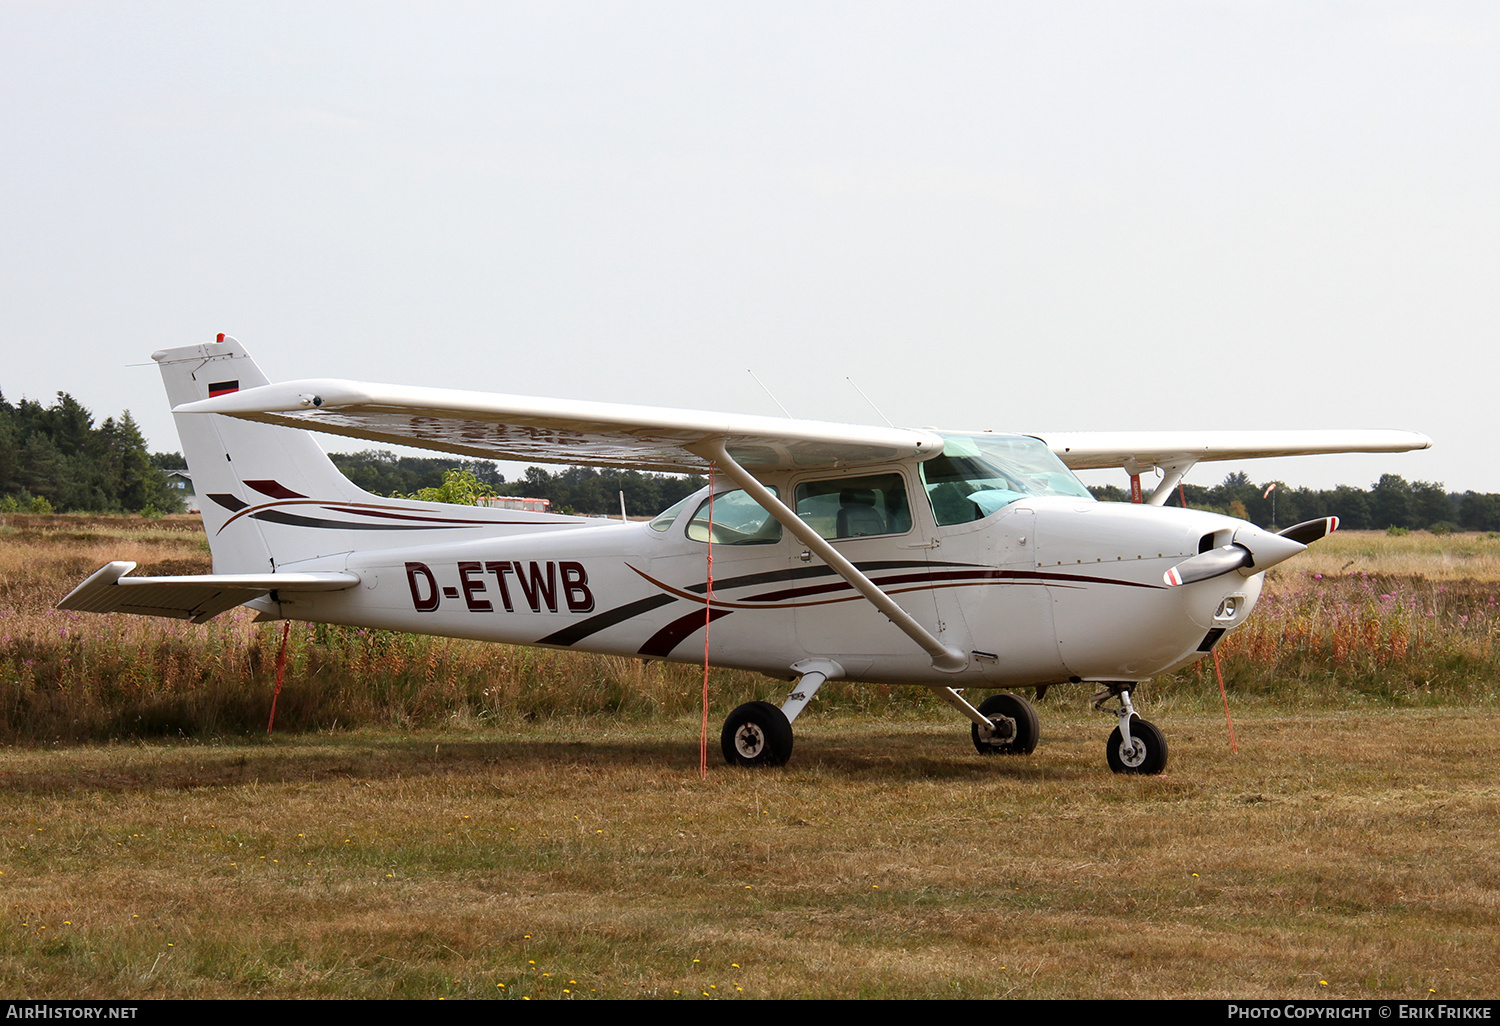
{"points": [[463, 838]]}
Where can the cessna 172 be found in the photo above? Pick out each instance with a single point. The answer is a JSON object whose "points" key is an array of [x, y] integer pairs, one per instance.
{"points": [[942, 559]]}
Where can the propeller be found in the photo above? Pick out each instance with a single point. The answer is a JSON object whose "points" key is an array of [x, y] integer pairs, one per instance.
{"points": [[1252, 548], [1310, 531], [1208, 564]]}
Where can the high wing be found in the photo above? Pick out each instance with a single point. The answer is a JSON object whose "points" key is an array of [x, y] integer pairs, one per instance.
{"points": [[507, 427], [1095, 450], [194, 597], [1176, 452]]}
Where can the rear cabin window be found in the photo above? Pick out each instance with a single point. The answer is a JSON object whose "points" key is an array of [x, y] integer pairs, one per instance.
{"points": [[855, 507], [737, 520], [667, 517]]}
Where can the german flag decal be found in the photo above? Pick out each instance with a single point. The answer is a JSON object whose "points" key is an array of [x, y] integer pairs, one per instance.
{"points": [[222, 388]]}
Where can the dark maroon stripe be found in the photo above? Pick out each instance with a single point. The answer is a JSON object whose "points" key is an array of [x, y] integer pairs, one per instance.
{"points": [[673, 634], [276, 516], [976, 576], [594, 624], [275, 489], [409, 516], [233, 503], [1034, 575], [798, 573]]}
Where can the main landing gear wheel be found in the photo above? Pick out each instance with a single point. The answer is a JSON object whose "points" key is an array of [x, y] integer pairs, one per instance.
{"points": [[1146, 754], [1016, 727], [756, 734]]}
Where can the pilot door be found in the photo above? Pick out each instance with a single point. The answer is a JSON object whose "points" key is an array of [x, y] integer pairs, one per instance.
{"points": [[869, 520], [989, 583]]}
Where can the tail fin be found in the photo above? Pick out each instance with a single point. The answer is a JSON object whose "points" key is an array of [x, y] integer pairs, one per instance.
{"points": [[271, 498], [237, 464]]}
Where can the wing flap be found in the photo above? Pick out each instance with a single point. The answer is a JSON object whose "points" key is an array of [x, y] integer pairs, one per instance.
{"points": [[506, 427], [194, 597]]}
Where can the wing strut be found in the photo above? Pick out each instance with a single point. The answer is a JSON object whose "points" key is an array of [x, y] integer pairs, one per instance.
{"points": [[1173, 471], [944, 658]]}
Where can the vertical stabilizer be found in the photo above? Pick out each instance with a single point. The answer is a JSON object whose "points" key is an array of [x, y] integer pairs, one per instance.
{"points": [[237, 464], [272, 500]]}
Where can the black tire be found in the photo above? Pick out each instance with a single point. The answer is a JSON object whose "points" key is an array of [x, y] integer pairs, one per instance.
{"points": [[1018, 736], [1147, 755], [756, 734]]}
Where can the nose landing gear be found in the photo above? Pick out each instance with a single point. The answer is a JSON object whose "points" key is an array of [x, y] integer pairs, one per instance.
{"points": [[1135, 746]]}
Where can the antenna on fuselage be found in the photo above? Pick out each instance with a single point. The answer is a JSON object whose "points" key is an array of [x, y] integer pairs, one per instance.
{"points": [[870, 401], [768, 392]]}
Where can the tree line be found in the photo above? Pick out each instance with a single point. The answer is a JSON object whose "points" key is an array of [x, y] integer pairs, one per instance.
{"points": [[1392, 502], [569, 489], [54, 458]]}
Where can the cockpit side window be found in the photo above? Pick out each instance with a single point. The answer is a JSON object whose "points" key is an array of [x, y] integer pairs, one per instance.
{"points": [[737, 520], [855, 507]]}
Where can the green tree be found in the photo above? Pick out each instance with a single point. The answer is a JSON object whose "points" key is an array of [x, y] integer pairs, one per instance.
{"points": [[1351, 505], [1480, 512], [1430, 505], [1391, 502], [460, 487]]}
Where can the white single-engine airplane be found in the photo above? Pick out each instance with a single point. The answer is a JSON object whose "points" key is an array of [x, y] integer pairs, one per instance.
{"points": [[943, 559]]}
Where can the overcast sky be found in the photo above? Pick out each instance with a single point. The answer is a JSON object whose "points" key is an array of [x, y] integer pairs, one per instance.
{"points": [[1016, 216]]}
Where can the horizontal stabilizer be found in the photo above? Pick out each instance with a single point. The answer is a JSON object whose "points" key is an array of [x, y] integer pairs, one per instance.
{"points": [[196, 597]]}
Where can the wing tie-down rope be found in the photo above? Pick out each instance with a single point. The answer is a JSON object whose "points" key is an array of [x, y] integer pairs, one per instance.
{"points": [[1219, 672], [286, 628], [708, 618]]}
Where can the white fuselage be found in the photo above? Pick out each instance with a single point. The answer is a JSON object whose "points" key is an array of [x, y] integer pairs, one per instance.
{"points": [[1044, 590]]}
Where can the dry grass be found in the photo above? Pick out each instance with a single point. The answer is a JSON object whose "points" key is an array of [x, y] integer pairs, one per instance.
{"points": [[1372, 618], [1388, 623], [483, 844], [1466, 556], [573, 859]]}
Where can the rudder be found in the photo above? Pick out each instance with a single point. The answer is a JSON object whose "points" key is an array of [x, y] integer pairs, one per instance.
{"points": [[236, 464]]}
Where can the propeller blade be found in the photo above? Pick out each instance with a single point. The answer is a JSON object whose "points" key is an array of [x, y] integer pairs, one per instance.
{"points": [[1310, 531], [1213, 563], [1252, 549]]}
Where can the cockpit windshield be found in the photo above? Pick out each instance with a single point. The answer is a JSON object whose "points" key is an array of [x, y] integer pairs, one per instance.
{"points": [[979, 474]]}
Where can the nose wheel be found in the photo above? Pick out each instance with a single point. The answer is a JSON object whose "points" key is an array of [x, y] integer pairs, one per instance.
{"points": [[1136, 746], [1145, 753]]}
